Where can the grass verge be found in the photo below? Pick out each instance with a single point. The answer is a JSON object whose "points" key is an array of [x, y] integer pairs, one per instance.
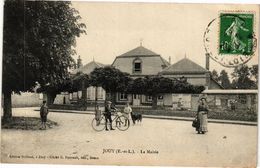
{"points": [[27, 123], [241, 115]]}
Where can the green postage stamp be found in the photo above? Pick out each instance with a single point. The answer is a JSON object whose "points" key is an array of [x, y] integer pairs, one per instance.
{"points": [[236, 33], [230, 38]]}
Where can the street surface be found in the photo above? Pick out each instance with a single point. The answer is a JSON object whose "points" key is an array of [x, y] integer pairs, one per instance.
{"points": [[153, 142]]}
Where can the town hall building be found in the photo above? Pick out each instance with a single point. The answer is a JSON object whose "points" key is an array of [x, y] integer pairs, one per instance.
{"points": [[141, 62]]}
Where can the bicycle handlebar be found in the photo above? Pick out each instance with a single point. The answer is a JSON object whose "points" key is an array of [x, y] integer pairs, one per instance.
{"points": [[115, 112]]}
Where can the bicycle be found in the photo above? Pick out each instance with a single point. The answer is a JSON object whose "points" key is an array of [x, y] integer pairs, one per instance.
{"points": [[121, 122]]}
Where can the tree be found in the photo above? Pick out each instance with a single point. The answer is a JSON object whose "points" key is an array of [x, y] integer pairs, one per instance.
{"points": [[136, 86], [254, 73], [111, 79], [224, 79], [79, 81], [214, 75], [241, 78], [52, 90], [38, 42], [153, 86], [233, 84]]}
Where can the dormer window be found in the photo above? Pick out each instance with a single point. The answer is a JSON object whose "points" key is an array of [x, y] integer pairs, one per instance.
{"points": [[137, 65]]}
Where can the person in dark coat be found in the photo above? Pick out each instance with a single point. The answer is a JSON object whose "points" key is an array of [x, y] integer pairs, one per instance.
{"points": [[108, 113], [43, 113]]}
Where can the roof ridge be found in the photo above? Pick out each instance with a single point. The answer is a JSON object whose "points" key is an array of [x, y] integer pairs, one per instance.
{"points": [[177, 67], [95, 62], [139, 51], [84, 67], [195, 63]]}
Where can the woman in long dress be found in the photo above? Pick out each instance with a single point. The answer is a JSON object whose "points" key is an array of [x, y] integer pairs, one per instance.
{"points": [[202, 116]]}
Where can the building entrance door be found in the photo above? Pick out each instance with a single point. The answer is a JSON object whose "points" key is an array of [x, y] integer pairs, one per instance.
{"points": [[136, 100]]}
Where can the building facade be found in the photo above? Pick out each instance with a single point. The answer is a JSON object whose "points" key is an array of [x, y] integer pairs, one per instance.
{"points": [[141, 62], [185, 69]]}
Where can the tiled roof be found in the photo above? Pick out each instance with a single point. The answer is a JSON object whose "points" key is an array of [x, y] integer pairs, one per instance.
{"points": [[139, 51], [152, 63], [88, 68], [184, 66]]}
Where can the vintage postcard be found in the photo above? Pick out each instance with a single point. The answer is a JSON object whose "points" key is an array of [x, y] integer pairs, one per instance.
{"points": [[130, 84]]}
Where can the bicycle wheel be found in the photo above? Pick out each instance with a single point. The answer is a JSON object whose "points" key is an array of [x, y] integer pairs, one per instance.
{"points": [[98, 125], [122, 123]]}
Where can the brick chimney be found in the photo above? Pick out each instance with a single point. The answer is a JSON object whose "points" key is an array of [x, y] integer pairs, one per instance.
{"points": [[170, 59], [207, 62], [208, 73]]}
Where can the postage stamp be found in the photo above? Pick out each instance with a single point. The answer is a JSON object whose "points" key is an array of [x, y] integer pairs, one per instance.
{"points": [[236, 34], [230, 38]]}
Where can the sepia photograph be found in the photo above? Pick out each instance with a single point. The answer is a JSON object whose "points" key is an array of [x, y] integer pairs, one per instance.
{"points": [[129, 83]]}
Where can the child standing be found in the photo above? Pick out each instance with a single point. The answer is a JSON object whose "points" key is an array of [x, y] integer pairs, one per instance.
{"points": [[43, 113], [127, 112]]}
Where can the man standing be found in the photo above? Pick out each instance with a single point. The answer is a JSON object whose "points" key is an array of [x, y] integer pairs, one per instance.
{"points": [[108, 113], [43, 113]]}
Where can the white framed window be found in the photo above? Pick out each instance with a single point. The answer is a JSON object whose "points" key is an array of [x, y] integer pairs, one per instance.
{"points": [[137, 65], [70, 96], [100, 93], [88, 93], [79, 94], [75, 95], [122, 96], [149, 98], [91, 93], [136, 96]]}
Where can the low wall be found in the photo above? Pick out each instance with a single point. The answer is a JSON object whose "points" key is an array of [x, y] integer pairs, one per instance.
{"points": [[240, 115], [76, 107], [26, 99]]}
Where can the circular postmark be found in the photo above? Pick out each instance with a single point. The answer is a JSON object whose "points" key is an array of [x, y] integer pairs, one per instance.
{"points": [[230, 39]]}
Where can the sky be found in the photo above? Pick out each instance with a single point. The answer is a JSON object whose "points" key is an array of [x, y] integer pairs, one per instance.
{"points": [[169, 29]]}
